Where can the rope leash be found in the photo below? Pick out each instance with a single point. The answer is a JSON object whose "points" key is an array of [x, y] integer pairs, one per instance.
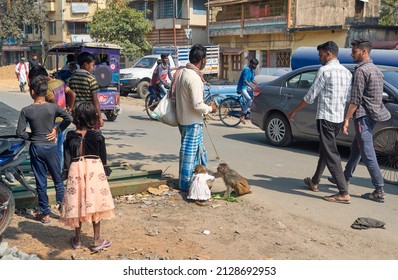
{"points": [[211, 140]]}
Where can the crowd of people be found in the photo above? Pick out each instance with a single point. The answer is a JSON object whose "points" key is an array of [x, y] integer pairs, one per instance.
{"points": [[81, 158]]}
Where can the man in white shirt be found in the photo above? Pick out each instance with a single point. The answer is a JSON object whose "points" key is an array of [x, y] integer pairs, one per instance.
{"points": [[331, 86], [22, 71], [190, 108]]}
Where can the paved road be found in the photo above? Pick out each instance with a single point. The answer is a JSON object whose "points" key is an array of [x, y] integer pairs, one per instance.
{"points": [[276, 174]]}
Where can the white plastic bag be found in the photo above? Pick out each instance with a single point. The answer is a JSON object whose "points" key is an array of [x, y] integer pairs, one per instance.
{"points": [[166, 111]]}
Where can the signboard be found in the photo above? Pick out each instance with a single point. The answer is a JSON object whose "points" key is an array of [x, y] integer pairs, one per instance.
{"points": [[77, 38], [79, 8]]}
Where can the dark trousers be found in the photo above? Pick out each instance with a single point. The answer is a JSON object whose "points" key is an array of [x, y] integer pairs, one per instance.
{"points": [[43, 157], [329, 155]]}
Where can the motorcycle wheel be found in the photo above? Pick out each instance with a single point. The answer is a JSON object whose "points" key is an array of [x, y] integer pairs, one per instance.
{"points": [[110, 116], [6, 213]]}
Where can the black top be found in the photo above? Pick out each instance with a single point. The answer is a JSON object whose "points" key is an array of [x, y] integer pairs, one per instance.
{"points": [[93, 144], [41, 120]]}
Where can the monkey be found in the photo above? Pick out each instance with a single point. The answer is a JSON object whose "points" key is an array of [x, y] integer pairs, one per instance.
{"points": [[233, 180]]}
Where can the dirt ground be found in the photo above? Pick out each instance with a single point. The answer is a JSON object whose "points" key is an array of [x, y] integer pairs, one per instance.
{"points": [[167, 226]]}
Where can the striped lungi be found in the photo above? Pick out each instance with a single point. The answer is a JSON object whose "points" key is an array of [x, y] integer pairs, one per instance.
{"points": [[192, 152]]}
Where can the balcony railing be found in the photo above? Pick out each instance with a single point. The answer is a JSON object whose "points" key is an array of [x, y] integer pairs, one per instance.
{"points": [[249, 26]]}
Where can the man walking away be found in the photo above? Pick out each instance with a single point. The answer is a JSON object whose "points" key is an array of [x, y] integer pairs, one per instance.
{"points": [[331, 86], [367, 108]]}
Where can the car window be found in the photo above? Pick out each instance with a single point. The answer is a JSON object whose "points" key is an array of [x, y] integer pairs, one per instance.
{"points": [[145, 62], [302, 80], [391, 77]]}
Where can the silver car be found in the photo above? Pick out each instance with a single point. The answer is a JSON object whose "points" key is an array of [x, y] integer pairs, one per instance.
{"points": [[278, 97]]}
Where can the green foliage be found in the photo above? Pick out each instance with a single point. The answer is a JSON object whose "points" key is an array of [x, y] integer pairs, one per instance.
{"points": [[124, 26], [18, 12], [389, 12]]}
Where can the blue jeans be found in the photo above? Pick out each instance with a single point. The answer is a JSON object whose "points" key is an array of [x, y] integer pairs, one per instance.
{"points": [[43, 157], [362, 147], [163, 90], [248, 98], [60, 145]]}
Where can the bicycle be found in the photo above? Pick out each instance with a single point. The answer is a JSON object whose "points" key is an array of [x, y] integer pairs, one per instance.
{"points": [[209, 98], [385, 143], [151, 102], [230, 109]]}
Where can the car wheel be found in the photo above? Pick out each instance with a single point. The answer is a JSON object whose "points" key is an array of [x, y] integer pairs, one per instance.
{"points": [[277, 130], [385, 143], [142, 89]]}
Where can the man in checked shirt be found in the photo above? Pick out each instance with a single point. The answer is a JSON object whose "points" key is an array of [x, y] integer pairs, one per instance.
{"points": [[367, 108], [331, 86]]}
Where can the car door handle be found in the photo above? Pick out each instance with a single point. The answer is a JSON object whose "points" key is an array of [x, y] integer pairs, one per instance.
{"points": [[288, 96]]}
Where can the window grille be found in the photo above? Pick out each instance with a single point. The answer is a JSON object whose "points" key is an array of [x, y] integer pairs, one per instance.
{"points": [[165, 9], [140, 6]]}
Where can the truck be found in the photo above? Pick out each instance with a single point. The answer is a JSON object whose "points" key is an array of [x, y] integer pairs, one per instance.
{"points": [[137, 77]]}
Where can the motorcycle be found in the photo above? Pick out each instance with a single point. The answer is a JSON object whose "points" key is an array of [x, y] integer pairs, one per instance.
{"points": [[11, 157]]}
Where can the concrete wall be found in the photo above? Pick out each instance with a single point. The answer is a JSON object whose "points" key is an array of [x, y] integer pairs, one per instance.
{"points": [[333, 12]]}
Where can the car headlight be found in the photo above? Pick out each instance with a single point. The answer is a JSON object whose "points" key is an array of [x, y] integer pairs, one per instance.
{"points": [[126, 76]]}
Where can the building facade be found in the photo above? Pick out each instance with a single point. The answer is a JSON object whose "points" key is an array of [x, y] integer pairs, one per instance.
{"points": [[271, 30]]}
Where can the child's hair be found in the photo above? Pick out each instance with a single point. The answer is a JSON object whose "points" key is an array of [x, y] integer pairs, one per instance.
{"points": [[84, 115], [39, 85], [85, 57], [37, 71], [200, 169]]}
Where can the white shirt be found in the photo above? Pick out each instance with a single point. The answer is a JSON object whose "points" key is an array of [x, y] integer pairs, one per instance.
{"points": [[190, 105], [332, 86]]}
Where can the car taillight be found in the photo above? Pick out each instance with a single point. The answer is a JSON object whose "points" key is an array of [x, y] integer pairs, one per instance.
{"points": [[256, 92]]}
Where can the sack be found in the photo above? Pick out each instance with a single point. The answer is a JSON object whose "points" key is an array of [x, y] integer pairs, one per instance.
{"points": [[166, 111]]}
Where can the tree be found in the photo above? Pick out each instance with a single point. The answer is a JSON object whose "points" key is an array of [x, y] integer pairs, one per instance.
{"points": [[14, 14], [388, 12], [124, 26]]}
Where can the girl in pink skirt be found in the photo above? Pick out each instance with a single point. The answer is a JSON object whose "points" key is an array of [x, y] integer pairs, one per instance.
{"points": [[87, 195]]}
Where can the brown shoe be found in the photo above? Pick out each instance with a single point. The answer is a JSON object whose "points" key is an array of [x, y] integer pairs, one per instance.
{"points": [[345, 199]]}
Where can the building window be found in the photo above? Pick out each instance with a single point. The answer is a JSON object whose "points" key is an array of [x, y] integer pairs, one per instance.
{"points": [[165, 9], [28, 29], [275, 59], [263, 59], [236, 62], [77, 28], [141, 5], [52, 27]]}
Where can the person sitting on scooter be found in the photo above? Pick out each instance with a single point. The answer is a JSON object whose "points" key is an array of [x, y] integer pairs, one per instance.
{"points": [[163, 72]]}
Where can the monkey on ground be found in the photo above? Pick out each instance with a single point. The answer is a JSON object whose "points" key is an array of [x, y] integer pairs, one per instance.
{"points": [[199, 190], [233, 180]]}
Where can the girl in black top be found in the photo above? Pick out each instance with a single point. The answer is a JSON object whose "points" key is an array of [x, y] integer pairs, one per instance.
{"points": [[87, 194]]}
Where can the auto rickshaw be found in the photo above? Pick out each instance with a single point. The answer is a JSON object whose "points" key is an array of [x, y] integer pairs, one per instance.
{"points": [[106, 70]]}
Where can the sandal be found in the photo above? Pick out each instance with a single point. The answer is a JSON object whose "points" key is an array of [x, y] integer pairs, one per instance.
{"points": [[336, 198], [374, 196], [311, 185], [75, 245], [202, 203], [105, 244]]}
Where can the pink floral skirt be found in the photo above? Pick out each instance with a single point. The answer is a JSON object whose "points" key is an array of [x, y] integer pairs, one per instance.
{"points": [[87, 195]]}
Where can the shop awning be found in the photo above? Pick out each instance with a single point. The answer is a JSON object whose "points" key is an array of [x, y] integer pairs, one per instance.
{"points": [[231, 51]]}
